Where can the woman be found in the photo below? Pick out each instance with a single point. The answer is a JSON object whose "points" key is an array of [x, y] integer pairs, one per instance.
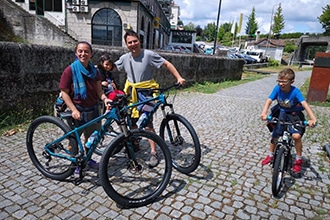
{"points": [[81, 90]]}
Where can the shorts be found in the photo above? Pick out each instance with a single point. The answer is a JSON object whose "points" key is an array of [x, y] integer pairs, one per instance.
{"points": [[295, 116]]}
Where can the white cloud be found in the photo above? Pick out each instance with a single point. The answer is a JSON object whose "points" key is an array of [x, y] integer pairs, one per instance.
{"points": [[299, 15]]}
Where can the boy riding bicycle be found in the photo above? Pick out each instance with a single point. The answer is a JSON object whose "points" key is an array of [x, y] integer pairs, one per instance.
{"points": [[290, 98]]}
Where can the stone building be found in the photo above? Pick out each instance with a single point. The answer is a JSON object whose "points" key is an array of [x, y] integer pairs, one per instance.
{"points": [[103, 22]]}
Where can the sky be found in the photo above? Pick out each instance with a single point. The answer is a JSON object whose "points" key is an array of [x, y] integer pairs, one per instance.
{"points": [[299, 15]]}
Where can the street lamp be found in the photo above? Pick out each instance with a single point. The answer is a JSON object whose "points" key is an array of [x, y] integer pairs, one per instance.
{"points": [[270, 27], [216, 29]]}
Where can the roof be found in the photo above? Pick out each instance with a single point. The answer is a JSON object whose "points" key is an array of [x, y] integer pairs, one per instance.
{"points": [[271, 43]]}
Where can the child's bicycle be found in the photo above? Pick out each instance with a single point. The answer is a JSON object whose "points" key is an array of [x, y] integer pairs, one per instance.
{"points": [[283, 161], [57, 150], [178, 133]]}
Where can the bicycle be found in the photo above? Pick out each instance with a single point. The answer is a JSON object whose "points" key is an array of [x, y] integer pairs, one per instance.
{"points": [[175, 130], [56, 151], [283, 160]]}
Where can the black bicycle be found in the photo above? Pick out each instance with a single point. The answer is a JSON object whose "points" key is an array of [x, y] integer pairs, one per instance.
{"points": [[57, 151], [283, 160]]}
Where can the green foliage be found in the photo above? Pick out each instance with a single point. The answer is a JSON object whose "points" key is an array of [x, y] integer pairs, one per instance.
{"points": [[251, 25], [290, 47], [311, 51], [223, 29], [190, 26], [273, 62], [209, 31], [324, 19], [227, 39], [291, 35], [210, 87], [279, 22]]}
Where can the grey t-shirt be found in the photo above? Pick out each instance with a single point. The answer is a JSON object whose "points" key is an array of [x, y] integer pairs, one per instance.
{"points": [[143, 65]]}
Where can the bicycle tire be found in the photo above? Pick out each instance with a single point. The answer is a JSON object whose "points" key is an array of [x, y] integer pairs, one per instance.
{"points": [[134, 186], [279, 171], [46, 129], [183, 143]]}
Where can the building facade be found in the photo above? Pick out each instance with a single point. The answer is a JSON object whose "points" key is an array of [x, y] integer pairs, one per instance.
{"points": [[103, 22]]}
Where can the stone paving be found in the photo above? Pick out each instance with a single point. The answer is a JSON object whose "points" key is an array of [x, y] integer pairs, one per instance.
{"points": [[230, 182]]}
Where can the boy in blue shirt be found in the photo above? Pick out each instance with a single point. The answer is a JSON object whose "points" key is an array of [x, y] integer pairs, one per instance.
{"points": [[288, 97]]}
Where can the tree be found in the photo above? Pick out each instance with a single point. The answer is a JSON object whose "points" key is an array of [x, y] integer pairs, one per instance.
{"points": [[199, 30], [209, 32], [224, 28], [251, 25], [279, 22], [324, 19], [190, 26]]}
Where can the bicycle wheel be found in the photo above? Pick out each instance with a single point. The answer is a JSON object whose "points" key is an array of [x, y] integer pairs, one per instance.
{"points": [[183, 142], [43, 131], [279, 171], [126, 176]]}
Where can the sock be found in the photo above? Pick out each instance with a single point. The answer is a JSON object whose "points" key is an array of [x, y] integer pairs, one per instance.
{"points": [[271, 154], [298, 157]]}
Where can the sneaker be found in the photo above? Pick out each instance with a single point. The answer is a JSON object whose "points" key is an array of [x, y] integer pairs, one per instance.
{"points": [[153, 160], [297, 166], [92, 164], [267, 160]]}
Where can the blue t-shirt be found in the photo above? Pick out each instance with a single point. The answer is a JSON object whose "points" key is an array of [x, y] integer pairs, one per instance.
{"points": [[287, 100]]}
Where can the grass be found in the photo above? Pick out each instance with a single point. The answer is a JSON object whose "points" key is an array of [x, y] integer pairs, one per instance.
{"points": [[210, 87]]}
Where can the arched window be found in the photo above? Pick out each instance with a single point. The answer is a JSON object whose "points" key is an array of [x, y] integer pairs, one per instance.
{"points": [[107, 28]]}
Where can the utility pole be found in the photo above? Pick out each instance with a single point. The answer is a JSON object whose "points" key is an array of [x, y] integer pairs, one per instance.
{"points": [[216, 29]]}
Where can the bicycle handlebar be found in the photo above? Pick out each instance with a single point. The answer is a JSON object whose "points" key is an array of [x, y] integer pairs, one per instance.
{"points": [[275, 120]]}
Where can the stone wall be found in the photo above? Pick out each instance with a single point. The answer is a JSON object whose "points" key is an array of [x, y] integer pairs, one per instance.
{"points": [[30, 74]]}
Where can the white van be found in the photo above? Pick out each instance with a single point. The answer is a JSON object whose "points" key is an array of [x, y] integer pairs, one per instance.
{"points": [[258, 55]]}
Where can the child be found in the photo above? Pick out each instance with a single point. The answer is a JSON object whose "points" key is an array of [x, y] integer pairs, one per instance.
{"points": [[288, 97], [105, 65]]}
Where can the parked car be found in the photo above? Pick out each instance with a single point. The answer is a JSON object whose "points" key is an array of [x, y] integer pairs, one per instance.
{"points": [[258, 55], [169, 48], [208, 51], [248, 59], [175, 48], [183, 48]]}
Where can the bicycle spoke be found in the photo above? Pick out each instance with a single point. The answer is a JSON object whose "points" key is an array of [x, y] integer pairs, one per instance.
{"points": [[40, 134], [132, 182]]}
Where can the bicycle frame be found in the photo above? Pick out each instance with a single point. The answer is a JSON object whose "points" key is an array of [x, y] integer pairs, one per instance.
{"points": [[285, 138], [110, 117], [160, 101]]}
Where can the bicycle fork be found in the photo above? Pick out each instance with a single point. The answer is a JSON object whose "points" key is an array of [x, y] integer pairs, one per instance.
{"points": [[177, 140], [134, 165]]}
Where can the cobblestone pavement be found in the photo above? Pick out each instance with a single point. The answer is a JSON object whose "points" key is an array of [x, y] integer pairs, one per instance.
{"points": [[229, 184]]}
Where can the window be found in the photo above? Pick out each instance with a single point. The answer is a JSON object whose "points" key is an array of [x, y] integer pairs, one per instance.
{"points": [[53, 5], [107, 28], [32, 5]]}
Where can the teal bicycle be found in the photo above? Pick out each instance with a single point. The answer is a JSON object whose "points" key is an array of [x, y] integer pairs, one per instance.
{"points": [[179, 135], [56, 150]]}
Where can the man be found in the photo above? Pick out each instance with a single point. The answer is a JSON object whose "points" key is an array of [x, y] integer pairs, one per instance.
{"points": [[139, 64]]}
